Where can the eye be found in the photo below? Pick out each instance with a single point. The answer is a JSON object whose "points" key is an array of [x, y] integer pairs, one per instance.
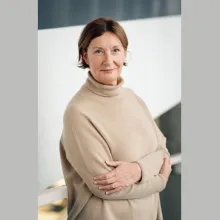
{"points": [[98, 52], [116, 50]]}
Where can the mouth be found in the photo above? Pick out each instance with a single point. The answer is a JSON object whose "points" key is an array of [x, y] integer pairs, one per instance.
{"points": [[108, 70]]}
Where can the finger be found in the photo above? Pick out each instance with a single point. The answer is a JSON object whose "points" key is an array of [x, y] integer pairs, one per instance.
{"points": [[110, 186], [169, 161], [114, 190], [105, 176], [164, 162], [105, 182], [114, 163]]}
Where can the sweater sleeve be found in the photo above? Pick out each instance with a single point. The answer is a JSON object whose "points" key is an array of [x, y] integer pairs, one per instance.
{"points": [[151, 163], [87, 151]]}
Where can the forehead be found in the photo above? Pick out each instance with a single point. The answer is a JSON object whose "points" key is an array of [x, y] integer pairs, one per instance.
{"points": [[106, 40]]}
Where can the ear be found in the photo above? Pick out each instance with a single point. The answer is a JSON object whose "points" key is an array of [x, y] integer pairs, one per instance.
{"points": [[85, 58]]}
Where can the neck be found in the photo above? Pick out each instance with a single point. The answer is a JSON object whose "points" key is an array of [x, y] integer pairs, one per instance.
{"points": [[103, 89]]}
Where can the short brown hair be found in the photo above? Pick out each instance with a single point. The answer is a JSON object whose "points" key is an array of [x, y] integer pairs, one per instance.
{"points": [[95, 29]]}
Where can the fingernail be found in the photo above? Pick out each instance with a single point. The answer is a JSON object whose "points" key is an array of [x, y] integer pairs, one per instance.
{"points": [[107, 193], [100, 187], [94, 178], [95, 182]]}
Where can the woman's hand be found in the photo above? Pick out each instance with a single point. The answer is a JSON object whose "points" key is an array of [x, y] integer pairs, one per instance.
{"points": [[166, 169], [124, 175]]}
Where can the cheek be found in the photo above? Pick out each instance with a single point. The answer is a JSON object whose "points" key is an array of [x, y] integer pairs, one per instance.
{"points": [[120, 60], [95, 62]]}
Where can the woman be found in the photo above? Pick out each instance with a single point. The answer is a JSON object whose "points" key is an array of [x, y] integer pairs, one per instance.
{"points": [[112, 152]]}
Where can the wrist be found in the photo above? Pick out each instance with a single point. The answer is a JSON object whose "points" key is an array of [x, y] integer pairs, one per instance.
{"points": [[139, 171]]}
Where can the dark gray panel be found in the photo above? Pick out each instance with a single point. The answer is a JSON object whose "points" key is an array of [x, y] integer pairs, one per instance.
{"points": [[171, 198], [170, 125], [63, 13]]}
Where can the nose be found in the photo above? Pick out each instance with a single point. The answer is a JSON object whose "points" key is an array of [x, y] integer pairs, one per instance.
{"points": [[107, 58]]}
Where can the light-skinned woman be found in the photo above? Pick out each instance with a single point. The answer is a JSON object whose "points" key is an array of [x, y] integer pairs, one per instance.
{"points": [[114, 157]]}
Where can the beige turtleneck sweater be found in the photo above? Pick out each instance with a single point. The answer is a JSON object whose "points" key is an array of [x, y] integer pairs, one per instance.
{"points": [[104, 123]]}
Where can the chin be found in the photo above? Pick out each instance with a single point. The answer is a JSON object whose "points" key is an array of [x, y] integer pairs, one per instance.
{"points": [[110, 79]]}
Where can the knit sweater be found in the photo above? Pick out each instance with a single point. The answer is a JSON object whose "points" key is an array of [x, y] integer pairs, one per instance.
{"points": [[109, 123]]}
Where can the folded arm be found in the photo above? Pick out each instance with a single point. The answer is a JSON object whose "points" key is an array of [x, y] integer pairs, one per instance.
{"points": [[151, 163], [87, 151]]}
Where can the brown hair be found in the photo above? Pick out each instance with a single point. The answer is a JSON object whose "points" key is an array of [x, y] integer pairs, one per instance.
{"points": [[95, 29]]}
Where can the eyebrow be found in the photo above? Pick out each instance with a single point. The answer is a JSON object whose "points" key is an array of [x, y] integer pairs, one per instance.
{"points": [[97, 47]]}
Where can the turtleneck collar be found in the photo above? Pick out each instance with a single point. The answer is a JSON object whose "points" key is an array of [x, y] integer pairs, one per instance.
{"points": [[101, 89]]}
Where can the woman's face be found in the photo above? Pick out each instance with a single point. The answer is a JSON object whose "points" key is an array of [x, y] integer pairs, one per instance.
{"points": [[105, 57]]}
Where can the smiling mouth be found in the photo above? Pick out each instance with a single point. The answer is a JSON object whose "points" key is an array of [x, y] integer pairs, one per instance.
{"points": [[108, 70]]}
